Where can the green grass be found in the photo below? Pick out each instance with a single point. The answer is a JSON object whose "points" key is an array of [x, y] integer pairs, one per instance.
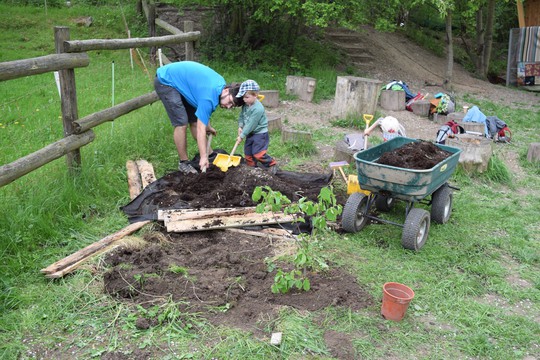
{"points": [[466, 304]]}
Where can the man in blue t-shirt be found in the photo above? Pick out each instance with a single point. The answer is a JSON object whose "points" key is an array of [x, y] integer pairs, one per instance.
{"points": [[190, 93]]}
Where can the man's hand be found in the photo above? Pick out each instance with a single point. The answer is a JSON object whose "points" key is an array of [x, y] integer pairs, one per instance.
{"points": [[239, 139], [204, 164], [211, 130]]}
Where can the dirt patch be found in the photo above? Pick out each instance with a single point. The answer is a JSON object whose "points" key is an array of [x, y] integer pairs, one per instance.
{"points": [[223, 275]]}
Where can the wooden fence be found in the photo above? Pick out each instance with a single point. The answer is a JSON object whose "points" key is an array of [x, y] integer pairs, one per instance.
{"points": [[71, 54]]}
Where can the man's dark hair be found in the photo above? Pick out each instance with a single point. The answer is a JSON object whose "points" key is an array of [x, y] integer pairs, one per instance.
{"points": [[234, 88]]}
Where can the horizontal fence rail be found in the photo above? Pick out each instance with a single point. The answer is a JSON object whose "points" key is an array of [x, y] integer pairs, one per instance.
{"points": [[24, 165], [43, 64], [118, 44], [114, 112]]}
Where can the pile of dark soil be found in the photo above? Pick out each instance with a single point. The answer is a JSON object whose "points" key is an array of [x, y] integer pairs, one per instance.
{"points": [[420, 155], [218, 189]]}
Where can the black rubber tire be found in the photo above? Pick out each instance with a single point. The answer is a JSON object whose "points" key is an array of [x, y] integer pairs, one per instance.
{"points": [[384, 203], [353, 219], [441, 205], [415, 229]]}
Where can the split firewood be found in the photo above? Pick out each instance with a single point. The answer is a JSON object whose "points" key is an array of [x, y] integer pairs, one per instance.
{"points": [[71, 262], [134, 179], [147, 172]]}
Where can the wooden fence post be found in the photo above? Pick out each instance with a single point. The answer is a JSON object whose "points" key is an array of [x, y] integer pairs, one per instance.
{"points": [[188, 27], [152, 29], [68, 94]]}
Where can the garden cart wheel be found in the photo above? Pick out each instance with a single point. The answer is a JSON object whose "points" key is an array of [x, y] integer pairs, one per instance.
{"points": [[384, 203], [415, 229], [353, 219], [441, 204]]}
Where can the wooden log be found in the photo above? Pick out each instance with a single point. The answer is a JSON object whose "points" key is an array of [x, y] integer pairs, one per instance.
{"points": [[274, 121], [146, 170], [295, 135], [119, 44], [167, 27], [228, 221], [421, 108], [24, 165], [39, 65], [302, 86], [72, 261], [114, 112], [134, 179], [393, 100], [271, 98], [355, 96], [533, 154]]}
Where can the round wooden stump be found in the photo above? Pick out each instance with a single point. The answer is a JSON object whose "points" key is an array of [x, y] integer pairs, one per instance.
{"points": [[533, 155]]}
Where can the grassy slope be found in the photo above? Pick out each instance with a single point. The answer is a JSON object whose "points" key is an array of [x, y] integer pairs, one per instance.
{"points": [[465, 271]]}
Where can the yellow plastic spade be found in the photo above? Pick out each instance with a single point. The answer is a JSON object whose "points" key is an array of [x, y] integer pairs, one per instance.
{"points": [[224, 162]]}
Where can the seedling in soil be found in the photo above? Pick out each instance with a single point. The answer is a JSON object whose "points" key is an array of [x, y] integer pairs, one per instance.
{"points": [[305, 259]]}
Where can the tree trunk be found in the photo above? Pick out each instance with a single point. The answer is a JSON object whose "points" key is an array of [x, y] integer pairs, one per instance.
{"points": [[479, 64], [489, 37], [449, 52]]}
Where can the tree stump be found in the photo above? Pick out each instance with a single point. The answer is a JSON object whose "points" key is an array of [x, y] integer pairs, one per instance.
{"points": [[271, 98], [342, 152], [440, 118], [274, 121], [421, 108], [295, 135], [393, 100], [302, 86], [533, 154], [476, 151], [456, 116], [473, 126], [355, 96]]}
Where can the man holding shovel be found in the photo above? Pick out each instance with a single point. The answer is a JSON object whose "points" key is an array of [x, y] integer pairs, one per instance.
{"points": [[190, 93]]}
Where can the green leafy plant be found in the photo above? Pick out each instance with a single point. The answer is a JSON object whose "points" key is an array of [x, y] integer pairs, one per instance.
{"points": [[320, 212]]}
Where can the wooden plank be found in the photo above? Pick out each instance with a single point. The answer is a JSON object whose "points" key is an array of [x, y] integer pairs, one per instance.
{"points": [[187, 214], [92, 249], [229, 221], [263, 233]]}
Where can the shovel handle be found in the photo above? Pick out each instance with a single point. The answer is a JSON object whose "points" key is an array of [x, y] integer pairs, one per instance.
{"points": [[234, 148]]}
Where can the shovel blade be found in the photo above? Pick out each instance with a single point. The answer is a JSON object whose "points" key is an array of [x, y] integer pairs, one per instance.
{"points": [[224, 162]]}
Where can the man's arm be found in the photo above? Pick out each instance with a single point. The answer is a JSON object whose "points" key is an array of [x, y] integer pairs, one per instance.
{"points": [[201, 144]]}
